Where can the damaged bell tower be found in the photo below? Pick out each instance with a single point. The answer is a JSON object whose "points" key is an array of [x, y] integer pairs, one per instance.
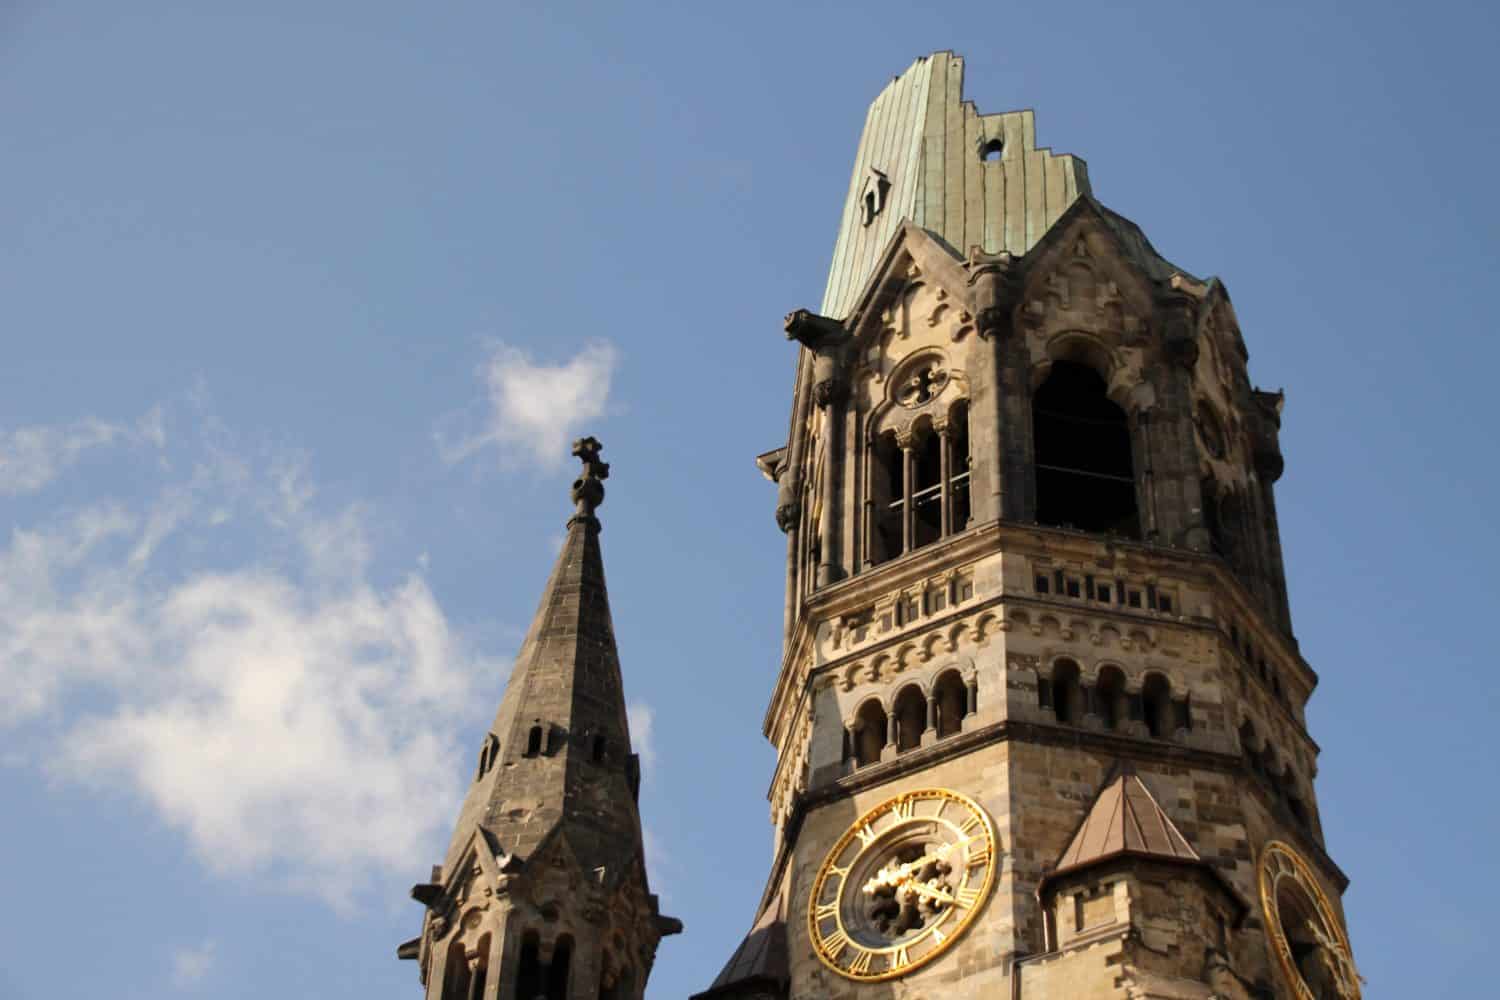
{"points": [[1040, 715]]}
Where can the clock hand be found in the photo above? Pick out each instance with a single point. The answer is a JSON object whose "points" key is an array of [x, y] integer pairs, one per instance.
{"points": [[922, 889], [901, 872]]}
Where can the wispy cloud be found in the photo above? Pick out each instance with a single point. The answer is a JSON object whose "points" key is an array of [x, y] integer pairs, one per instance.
{"points": [[32, 457], [191, 964], [282, 712], [642, 718], [535, 409]]}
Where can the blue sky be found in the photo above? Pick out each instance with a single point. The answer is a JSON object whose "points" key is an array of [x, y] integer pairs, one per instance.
{"points": [[300, 303]]}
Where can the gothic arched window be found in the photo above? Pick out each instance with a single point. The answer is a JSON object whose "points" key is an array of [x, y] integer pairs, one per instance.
{"points": [[1085, 474]]}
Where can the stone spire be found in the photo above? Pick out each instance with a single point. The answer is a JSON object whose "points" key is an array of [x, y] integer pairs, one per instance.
{"points": [[546, 862]]}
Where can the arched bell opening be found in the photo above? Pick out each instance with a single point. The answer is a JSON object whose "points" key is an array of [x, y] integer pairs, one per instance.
{"points": [[870, 725], [1109, 693], [952, 698], [559, 968], [1085, 472], [530, 974], [1156, 705], [887, 492], [1067, 694], [911, 717]]}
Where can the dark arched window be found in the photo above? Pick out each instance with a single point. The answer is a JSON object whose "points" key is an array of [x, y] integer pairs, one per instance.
{"points": [[456, 973], [1067, 696], [1109, 694], [1085, 475], [534, 741], [1247, 739], [530, 978], [958, 466], [952, 703], [599, 748], [927, 491], [870, 732], [991, 151], [886, 499], [1156, 701], [557, 971], [911, 717]]}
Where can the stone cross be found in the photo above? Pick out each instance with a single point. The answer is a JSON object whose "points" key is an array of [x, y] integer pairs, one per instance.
{"points": [[588, 488]]}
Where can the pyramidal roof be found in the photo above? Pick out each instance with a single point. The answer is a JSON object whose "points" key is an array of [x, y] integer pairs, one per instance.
{"points": [[557, 762], [761, 958], [1125, 819]]}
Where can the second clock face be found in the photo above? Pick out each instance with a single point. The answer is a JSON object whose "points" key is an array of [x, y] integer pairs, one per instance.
{"points": [[901, 884]]}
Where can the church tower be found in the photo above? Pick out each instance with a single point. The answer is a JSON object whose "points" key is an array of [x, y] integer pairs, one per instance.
{"points": [[543, 891], [1039, 718]]}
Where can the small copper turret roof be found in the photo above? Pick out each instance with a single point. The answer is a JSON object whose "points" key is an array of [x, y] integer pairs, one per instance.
{"points": [[1125, 819]]}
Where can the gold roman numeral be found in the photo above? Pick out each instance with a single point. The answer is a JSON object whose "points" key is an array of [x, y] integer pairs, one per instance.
{"points": [[826, 911], [900, 957], [979, 855], [938, 936], [967, 896], [969, 826], [861, 964], [835, 943], [904, 809], [866, 835], [834, 871]]}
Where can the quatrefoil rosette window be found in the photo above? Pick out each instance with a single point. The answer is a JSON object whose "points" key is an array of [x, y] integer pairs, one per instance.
{"points": [[920, 381], [922, 390]]}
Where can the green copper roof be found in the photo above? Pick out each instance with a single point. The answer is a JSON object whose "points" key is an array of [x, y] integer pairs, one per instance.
{"points": [[921, 157]]}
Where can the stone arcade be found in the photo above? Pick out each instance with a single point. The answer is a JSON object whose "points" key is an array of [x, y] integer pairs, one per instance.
{"points": [[1039, 718]]}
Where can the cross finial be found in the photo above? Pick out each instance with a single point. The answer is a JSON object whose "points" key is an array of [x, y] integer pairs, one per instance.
{"points": [[588, 488]]}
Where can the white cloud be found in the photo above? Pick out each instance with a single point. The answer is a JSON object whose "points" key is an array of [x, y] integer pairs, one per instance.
{"points": [[190, 965], [283, 714], [535, 410], [641, 718], [32, 457]]}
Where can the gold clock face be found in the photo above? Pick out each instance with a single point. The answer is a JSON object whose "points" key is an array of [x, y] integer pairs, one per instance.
{"points": [[1305, 933], [901, 884]]}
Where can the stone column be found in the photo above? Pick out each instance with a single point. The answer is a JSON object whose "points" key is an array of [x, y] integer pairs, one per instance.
{"points": [[1000, 474], [830, 394], [944, 471], [971, 685], [1174, 446], [929, 734], [908, 473]]}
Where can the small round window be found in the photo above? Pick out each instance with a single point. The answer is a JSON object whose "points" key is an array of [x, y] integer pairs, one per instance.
{"points": [[991, 150]]}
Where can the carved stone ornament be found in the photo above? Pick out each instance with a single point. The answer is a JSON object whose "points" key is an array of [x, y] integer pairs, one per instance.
{"points": [[829, 391], [921, 384], [786, 516], [1309, 942]]}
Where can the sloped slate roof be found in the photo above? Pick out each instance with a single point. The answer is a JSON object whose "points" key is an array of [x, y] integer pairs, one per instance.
{"points": [[761, 957], [1125, 819]]}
